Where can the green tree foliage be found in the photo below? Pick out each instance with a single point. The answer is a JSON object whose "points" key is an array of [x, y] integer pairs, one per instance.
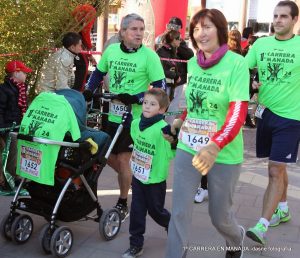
{"points": [[31, 29]]}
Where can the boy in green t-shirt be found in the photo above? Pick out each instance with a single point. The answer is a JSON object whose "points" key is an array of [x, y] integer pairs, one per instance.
{"points": [[150, 161]]}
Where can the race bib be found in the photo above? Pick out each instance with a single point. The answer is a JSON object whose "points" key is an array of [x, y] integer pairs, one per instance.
{"points": [[196, 133], [117, 108], [141, 165], [31, 161], [259, 111]]}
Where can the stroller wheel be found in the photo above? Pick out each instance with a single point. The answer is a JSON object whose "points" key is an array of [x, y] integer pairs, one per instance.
{"points": [[21, 229], [61, 241], [110, 223], [5, 225], [45, 238]]}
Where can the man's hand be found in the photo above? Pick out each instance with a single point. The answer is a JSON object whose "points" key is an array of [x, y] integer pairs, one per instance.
{"points": [[206, 157], [88, 95], [256, 85], [127, 99]]}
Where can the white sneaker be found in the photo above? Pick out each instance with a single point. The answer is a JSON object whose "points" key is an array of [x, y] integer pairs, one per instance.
{"points": [[201, 195]]}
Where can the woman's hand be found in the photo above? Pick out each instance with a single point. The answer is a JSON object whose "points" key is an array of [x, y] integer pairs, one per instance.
{"points": [[206, 157]]}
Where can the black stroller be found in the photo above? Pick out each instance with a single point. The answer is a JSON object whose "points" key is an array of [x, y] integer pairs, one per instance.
{"points": [[73, 197]]}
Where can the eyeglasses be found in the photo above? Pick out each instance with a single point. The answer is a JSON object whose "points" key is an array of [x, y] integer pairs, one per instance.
{"points": [[178, 38]]}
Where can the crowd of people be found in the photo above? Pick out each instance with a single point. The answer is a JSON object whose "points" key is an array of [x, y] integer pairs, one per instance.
{"points": [[225, 69]]}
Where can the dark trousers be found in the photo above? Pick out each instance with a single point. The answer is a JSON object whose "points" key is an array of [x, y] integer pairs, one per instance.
{"points": [[81, 73], [146, 198]]}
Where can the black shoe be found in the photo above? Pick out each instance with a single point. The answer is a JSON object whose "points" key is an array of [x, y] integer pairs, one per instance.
{"points": [[237, 252], [123, 211], [234, 254], [133, 251]]}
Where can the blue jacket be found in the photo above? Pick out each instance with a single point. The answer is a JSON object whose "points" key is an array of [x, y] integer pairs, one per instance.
{"points": [[77, 101]]}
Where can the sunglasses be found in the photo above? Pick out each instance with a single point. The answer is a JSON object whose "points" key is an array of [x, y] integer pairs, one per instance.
{"points": [[178, 38]]}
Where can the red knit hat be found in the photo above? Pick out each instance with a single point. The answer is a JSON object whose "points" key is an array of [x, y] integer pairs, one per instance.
{"points": [[15, 66]]}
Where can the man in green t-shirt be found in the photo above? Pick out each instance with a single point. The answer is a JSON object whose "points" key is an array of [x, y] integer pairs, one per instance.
{"points": [[278, 131], [132, 67]]}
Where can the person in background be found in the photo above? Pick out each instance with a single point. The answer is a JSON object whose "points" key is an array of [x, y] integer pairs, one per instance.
{"points": [[13, 105], [131, 67], [150, 167], [171, 68], [183, 53], [278, 116], [247, 33], [57, 69], [253, 76], [272, 31], [85, 15], [234, 41], [210, 140]]}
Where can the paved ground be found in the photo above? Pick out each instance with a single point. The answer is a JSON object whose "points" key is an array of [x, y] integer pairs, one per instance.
{"points": [[283, 241]]}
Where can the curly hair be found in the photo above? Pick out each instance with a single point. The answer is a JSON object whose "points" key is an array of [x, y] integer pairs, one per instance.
{"points": [[234, 41]]}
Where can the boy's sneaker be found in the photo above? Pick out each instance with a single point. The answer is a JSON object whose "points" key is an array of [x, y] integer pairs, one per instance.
{"points": [[239, 252], [201, 195], [279, 216], [133, 251], [123, 209], [258, 233]]}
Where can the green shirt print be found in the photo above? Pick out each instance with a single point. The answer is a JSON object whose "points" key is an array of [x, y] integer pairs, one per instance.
{"points": [[278, 63], [129, 73], [50, 116], [151, 156], [208, 95]]}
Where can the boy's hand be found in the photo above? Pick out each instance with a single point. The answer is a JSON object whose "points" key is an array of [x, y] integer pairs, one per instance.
{"points": [[206, 157]]}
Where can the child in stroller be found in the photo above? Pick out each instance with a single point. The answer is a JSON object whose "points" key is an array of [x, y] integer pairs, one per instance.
{"points": [[70, 195]]}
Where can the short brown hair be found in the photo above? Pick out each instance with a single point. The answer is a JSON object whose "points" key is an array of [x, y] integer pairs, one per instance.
{"points": [[293, 7], [161, 96], [217, 18]]}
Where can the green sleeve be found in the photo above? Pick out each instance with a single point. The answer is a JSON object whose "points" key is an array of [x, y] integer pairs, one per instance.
{"points": [[74, 128], [251, 57], [103, 63], [154, 67], [239, 84]]}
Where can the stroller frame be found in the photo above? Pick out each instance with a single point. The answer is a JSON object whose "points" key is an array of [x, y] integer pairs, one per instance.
{"points": [[53, 239]]}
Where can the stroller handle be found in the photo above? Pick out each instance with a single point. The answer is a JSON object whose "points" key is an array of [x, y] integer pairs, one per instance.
{"points": [[51, 142]]}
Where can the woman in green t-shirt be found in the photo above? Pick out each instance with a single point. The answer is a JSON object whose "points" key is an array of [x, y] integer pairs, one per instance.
{"points": [[210, 139]]}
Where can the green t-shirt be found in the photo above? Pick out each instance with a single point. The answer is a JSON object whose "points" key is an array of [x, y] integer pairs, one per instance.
{"points": [[208, 95], [278, 65], [151, 156], [49, 116], [129, 73]]}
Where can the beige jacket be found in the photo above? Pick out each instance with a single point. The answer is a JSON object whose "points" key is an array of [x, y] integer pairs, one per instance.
{"points": [[57, 71]]}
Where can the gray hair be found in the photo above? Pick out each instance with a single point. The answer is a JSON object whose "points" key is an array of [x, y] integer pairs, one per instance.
{"points": [[126, 20]]}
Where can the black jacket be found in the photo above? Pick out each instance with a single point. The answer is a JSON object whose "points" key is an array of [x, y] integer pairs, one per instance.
{"points": [[9, 108], [183, 53], [171, 68]]}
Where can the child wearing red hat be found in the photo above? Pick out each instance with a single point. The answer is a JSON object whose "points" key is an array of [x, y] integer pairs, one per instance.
{"points": [[13, 105]]}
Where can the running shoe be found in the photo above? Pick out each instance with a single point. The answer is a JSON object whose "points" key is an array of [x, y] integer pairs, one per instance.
{"points": [[258, 233], [133, 251], [280, 216], [239, 252], [201, 195]]}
